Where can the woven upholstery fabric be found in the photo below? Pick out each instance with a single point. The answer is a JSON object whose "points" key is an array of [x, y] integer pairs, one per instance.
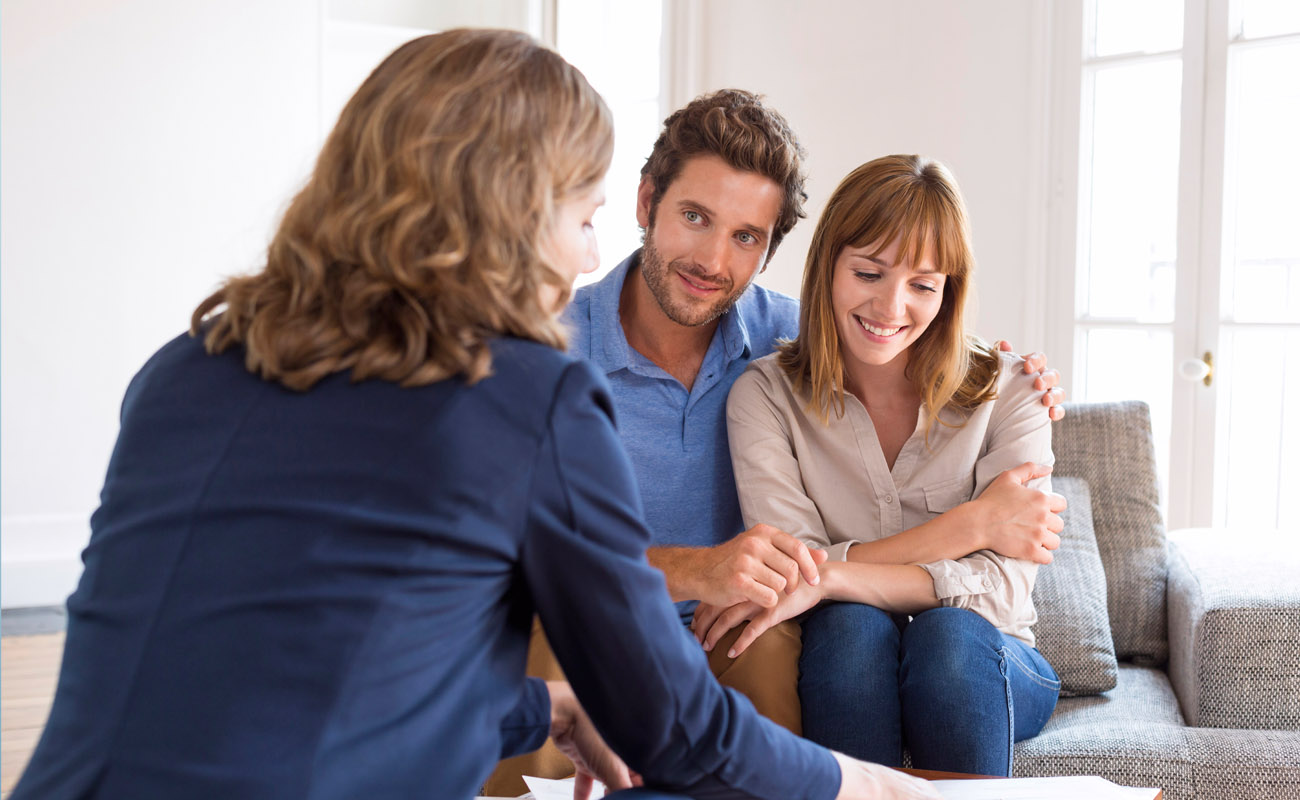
{"points": [[1134, 736], [1109, 446], [1234, 629], [1073, 629]]}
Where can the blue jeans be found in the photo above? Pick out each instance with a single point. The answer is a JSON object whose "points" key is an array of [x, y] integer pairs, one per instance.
{"points": [[948, 684]]}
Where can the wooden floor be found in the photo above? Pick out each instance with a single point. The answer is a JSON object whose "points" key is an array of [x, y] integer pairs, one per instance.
{"points": [[29, 667]]}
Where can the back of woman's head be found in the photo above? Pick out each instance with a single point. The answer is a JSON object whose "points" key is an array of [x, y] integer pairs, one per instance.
{"points": [[914, 201], [419, 236]]}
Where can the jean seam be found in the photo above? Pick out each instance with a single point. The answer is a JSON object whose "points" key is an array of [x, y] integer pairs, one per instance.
{"points": [[1011, 710], [1030, 672]]}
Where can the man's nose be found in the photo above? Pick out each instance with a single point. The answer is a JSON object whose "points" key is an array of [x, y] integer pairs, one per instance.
{"points": [[712, 253]]}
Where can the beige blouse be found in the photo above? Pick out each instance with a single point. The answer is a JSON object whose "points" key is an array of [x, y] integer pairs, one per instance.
{"points": [[829, 484]]}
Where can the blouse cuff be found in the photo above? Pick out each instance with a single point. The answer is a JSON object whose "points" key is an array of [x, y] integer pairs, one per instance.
{"points": [[839, 551], [962, 578]]}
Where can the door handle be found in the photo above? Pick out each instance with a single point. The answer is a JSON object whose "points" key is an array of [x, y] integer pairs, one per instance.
{"points": [[1198, 369]]}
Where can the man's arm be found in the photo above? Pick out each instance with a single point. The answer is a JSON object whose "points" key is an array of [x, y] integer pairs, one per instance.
{"points": [[754, 566]]}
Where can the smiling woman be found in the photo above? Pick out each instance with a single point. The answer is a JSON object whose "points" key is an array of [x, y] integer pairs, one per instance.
{"points": [[882, 304], [887, 436], [902, 211]]}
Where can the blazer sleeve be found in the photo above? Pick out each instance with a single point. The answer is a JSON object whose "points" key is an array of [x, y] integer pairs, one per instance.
{"points": [[640, 676], [996, 587], [527, 725]]}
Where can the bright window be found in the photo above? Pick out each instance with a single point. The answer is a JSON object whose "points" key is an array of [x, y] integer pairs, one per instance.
{"points": [[1187, 273], [617, 46]]}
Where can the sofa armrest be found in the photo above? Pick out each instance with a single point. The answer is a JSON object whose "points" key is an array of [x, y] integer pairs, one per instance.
{"points": [[1234, 628]]}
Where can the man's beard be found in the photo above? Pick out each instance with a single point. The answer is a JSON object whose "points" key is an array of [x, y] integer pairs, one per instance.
{"points": [[660, 277]]}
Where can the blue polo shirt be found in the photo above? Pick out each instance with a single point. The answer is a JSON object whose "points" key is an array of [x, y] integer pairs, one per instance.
{"points": [[677, 440]]}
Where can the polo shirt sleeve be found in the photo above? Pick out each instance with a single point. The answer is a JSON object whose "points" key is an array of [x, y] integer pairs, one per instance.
{"points": [[641, 677]]}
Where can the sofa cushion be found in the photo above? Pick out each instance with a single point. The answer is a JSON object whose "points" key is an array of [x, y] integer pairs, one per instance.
{"points": [[1134, 736], [1109, 445], [1234, 627], [1073, 628]]}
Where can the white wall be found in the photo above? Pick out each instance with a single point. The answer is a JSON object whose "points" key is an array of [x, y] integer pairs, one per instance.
{"points": [[148, 147], [963, 82]]}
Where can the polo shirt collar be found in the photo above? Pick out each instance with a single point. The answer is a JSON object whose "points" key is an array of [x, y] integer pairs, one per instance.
{"points": [[610, 350], [735, 333]]}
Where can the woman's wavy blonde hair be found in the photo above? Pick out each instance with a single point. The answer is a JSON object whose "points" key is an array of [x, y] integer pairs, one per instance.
{"points": [[420, 235], [914, 201]]}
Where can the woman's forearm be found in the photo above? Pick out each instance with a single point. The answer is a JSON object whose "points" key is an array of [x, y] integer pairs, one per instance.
{"points": [[949, 536], [899, 588]]}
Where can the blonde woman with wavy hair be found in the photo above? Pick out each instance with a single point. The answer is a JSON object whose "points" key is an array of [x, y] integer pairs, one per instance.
{"points": [[420, 235], [918, 457], [334, 509]]}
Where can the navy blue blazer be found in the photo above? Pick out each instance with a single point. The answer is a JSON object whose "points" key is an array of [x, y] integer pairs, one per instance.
{"points": [[328, 594]]}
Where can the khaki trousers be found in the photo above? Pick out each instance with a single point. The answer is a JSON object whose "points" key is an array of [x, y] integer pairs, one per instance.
{"points": [[767, 673]]}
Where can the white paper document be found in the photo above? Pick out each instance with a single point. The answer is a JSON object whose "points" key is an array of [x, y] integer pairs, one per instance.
{"points": [[546, 789], [1065, 788]]}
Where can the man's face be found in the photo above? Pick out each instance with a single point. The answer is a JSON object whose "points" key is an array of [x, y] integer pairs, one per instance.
{"points": [[710, 236]]}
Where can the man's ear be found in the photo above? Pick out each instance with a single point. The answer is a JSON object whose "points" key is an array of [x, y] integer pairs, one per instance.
{"points": [[645, 193]]}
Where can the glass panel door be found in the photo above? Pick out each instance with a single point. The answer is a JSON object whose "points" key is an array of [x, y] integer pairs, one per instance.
{"points": [[1189, 245], [1128, 208], [1259, 320]]}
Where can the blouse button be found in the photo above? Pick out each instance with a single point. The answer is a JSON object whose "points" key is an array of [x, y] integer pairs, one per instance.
{"points": [[889, 498]]}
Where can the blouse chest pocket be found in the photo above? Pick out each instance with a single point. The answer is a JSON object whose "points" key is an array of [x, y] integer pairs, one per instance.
{"points": [[947, 495]]}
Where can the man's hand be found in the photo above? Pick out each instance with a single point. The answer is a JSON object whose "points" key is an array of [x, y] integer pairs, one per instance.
{"points": [[860, 780], [713, 623], [577, 738], [755, 566], [1046, 382], [1020, 522]]}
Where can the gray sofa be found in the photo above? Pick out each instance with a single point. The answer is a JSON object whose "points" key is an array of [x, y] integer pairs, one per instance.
{"points": [[1203, 640]]}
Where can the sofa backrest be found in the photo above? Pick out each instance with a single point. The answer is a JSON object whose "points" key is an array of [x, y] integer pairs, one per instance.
{"points": [[1109, 445]]}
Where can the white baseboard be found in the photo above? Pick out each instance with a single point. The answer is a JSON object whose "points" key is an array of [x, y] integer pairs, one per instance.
{"points": [[38, 583], [40, 562]]}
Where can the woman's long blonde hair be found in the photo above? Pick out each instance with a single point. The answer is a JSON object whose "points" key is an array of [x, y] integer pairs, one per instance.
{"points": [[914, 201], [419, 235]]}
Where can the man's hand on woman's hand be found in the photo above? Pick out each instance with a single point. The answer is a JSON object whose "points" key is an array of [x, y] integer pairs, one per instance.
{"points": [[711, 622], [756, 566], [861, 780], [1020, 522], [577, 738], [1047, 381]]}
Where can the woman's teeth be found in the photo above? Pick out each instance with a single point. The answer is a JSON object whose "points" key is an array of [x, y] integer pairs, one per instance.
{"points": [[878, 331]]}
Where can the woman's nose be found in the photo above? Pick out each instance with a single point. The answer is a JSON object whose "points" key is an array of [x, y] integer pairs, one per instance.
{"points": [[895, 301]]}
